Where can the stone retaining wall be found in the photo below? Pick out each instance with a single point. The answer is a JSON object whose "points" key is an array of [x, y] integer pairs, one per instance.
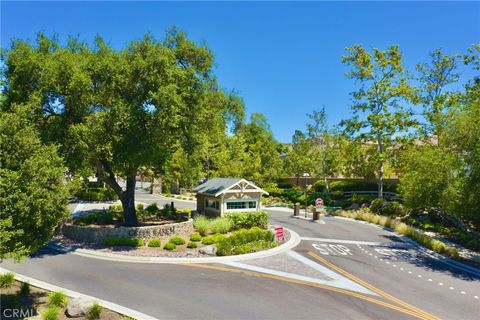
{"points": [[98, 234]]}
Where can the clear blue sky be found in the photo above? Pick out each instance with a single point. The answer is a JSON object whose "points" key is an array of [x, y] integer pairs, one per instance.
{"points": [[284, 58]]}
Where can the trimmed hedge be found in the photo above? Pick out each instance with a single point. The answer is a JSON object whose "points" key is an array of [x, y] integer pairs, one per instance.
{"points": [[213, 239], [191, 245], [248, 220], [195, 237], [169, 246], [154, 243], [177, 240], [245, 241], [122, 241]]}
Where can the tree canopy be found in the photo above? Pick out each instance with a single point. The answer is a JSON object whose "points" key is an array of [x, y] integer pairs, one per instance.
{"points": [[113, 111]]}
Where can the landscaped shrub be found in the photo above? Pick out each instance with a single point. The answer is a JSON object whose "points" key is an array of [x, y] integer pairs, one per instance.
{"points": [[94, 312], [154, 243], [57, 299], [177, 240], [127, 242], [213, 239], [140, 206], [115, 208], [7, 280], [191, 245], [248, 220], [51, 313], [168, 212], [152, 209], [195, 237], [185, 212], [244, 241], [201, 225], [102, 218], [220, 225], [388, 208], [96, 194], [169, 246]]}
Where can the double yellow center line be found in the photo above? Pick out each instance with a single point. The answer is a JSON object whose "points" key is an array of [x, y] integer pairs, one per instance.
{"points": [[403, 309], [420, 313]]}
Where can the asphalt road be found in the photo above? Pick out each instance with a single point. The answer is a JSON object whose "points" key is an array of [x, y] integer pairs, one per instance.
{"points": [[404, 283]]}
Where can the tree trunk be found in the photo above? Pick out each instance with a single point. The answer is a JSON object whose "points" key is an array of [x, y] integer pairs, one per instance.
{"points": [[160, 184], [380, 169], [128, 202], [152, 183], [127, 197], [324, 169]]}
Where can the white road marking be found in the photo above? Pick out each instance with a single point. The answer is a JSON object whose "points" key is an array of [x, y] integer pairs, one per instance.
{"points": [[332, 249], [419, 276], [343, 241], [410, 272], [402, 269], [451, 288], [338, 280], [463, 292], [440, 284], [476, 297], [430, 280]]}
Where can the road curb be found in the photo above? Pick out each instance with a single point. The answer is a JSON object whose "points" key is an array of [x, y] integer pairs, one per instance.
{"points": [[74, 294], [291, 243], [173, 199]]}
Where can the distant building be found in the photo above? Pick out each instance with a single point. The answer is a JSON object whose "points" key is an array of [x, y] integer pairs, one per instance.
{"points": [[221, 195]]}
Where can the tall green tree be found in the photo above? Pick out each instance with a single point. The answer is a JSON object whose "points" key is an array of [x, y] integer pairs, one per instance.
{"points": [[118, 111], [434, 78], [317, 131], [378, 113], [299, 159], [262, 162], [33, 193]]}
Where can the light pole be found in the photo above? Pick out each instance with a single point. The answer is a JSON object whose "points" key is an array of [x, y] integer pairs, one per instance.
{"points": [[306, 175]]}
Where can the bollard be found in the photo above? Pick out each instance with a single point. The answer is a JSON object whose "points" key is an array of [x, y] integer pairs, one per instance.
{"points": [[316, 214], [296, 209], [173, 205]]}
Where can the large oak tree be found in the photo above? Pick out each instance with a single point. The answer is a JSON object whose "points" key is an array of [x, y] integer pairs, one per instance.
{"points": [[115, 111]]}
